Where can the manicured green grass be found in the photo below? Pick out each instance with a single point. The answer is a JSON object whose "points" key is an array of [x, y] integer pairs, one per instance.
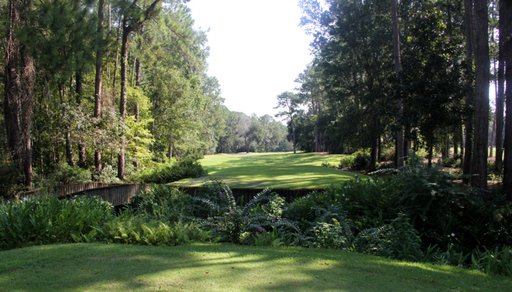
{"points": [[276, 170], [224, 267]]}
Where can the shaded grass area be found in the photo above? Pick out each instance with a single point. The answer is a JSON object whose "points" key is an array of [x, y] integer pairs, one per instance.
{"points": [[224, 267], [276, 170]]}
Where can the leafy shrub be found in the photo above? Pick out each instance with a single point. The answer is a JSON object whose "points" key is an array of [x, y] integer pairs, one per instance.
{"points": [[164, 203], [436, 205], [493, 171], [227, 227], [357, 161], [11, 179], [262, 238], [65, 174], [367, 202], [266, 203], [495, 262], [397, 240], [388, 154], [188, 167], [332, 235], [451, 162], [214, 207], [49, 220], [347, 161], [212, 199], [306, 211], [108, 175]]}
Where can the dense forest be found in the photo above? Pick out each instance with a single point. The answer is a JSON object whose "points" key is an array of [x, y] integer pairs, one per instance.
{"points": [[410, 73], [109, 88]]}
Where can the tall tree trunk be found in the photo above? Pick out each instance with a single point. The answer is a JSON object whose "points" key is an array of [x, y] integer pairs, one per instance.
{"points": [[470, 103], [116, 64], [70, 157], [137, 68], [400, 155], [500, 97], [11, 83], [82, 159], [506, 36], [18, 103], [27, 104], [122, 102], [493, 136], [481, 139], [98, 79], [373, 155]]}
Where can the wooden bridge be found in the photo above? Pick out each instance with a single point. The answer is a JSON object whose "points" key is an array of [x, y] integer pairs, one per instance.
{"points": [[121, 194], [117, 194]]}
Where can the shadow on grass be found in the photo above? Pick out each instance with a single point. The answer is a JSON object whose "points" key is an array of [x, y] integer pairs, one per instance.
{"points": [[224, 267]]}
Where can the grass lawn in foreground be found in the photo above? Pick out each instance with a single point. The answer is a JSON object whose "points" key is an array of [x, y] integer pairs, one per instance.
{"points": [[225, 267], [276, 170]]}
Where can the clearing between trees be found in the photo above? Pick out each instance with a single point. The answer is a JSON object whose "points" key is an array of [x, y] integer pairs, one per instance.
{"points": [[274, 170]]}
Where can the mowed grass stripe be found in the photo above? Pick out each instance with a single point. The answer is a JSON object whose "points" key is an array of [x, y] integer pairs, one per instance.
{"points": [[275, 170]]}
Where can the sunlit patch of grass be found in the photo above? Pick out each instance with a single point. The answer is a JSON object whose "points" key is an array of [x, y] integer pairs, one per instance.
{"points": [[276, 170], [225, 267]]}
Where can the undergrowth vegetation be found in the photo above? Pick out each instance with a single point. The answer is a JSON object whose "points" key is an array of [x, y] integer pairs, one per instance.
{"points": [[419, 214], [188, 167]]}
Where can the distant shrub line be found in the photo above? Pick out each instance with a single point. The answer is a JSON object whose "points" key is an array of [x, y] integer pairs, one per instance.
{"points": [[419, 214]]}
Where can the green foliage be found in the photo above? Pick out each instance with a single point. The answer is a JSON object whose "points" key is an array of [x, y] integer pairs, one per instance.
{"points": [[108, 175], [11, 179], [451, 162], [138, 230], [163, 203], [65, 174], [49, 220], [419, 214], [357, 161], [436, 204], [188, 167], [262, 238], [332, 235], [367, 202], [397, 240], [212, 199], [497, 261]]}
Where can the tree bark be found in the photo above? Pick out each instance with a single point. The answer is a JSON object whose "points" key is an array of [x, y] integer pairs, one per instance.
{"points": [[122, 102], [98, 79], [500, 97], [82, 159], [18, 103], [470, 103], [506, 37], [400, 155], [481, 139], [12, 89]]}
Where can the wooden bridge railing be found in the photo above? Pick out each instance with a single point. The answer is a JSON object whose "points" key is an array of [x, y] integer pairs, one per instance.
{"points": [[117, 194]]}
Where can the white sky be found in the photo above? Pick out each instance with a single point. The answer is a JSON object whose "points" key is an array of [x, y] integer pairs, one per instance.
{"points": [[257, 49]]}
